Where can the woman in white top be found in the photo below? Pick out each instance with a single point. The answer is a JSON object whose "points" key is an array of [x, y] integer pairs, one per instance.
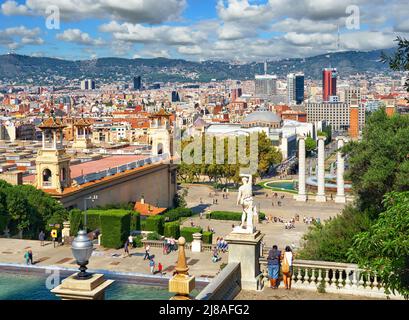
{"points": [[288, 256]]}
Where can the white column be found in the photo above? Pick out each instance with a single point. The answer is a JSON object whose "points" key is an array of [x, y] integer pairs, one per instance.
{"points": [[302, 196], [340, 197], [320, 197]]}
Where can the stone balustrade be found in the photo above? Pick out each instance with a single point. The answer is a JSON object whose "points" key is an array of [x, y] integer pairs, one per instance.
{"points": [[333, 277], [188, 246], [225, 286]]}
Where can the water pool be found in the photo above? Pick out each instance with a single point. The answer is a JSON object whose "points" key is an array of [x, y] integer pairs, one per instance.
{"points": [[32, 287]]}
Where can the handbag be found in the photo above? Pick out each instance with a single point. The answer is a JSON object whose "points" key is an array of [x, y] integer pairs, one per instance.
{"points": [[285, 267]]}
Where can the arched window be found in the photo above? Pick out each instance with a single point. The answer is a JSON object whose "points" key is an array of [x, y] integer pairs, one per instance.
{"points": [[160, 148], [47, 177]]}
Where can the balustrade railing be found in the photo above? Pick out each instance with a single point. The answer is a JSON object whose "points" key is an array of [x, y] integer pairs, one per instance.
{"points": [[333, 277], [188, 246]]}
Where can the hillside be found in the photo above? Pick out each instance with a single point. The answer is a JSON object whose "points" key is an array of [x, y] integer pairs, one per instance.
{"points": [[21, 69]]}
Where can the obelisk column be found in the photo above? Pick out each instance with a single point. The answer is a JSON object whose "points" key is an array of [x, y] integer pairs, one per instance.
{"points": [[340, 197], [302, 196], [320, 197]]}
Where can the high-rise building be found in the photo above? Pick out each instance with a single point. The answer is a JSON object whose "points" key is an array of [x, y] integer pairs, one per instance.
{"points": [[266, 85], [295, 88], [175, 96], [87, 84], [353, 96], [137, 83], [329, 83]]}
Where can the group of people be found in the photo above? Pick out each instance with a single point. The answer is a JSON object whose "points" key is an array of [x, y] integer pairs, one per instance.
{"points": [[280, 261], [169, 245], [221, 244], [28, 256], [309, 220]]}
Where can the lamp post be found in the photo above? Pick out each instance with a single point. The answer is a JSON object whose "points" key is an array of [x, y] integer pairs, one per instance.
{"points": [[82, 250], [93, 198]]}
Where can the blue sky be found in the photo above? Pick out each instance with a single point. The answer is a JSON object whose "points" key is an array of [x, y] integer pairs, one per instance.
{"points": [[243, 30]]}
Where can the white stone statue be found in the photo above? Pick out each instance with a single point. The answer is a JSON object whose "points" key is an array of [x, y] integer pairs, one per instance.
{"points": [[245, 199]]}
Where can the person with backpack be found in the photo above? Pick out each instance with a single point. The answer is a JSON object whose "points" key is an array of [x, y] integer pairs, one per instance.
{"points": [[287, 266], [273, 264]]}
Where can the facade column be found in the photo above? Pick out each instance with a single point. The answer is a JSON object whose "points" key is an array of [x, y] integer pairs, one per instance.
{"points": [[302, 196], [340, 197], [320, 197]]}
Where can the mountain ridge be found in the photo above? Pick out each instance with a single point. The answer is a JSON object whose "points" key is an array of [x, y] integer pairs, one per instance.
{"points": [[47, 70]]}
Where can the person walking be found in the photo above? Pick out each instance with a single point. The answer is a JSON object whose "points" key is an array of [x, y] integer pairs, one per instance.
{"points": [[126, 248], [147, 255], [41, 237], [273, 263], [287, 267], [130, 239], [152, 265]]}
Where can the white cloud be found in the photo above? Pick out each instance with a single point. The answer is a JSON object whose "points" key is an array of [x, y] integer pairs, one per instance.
{"points": [[169, 35], [79, 37], [17, 37], [138, 11]]}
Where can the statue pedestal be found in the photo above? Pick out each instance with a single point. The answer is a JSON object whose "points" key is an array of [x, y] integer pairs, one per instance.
{"points": [[245, 249], [91, 289], [340, 199]]}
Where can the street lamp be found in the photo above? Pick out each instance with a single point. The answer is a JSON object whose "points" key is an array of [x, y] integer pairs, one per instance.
{"points": [[93, 198], [82, 250]]}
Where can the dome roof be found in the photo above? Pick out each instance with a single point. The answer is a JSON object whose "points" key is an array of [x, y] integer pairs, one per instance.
{"points": [[262, 116]]}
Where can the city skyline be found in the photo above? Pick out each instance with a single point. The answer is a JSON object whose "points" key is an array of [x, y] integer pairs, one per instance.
{"points": [[195, 30]]}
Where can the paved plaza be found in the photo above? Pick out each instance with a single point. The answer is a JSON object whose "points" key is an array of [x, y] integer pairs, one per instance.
{"points": [[199, 199], [200, 264]]}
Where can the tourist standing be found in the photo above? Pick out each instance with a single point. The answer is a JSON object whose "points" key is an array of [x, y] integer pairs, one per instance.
{"points": [[273, 263], [287, 267], [147, 255], [30, 256], [160, 268], [41, 237], [27, 258], [152, 265]]}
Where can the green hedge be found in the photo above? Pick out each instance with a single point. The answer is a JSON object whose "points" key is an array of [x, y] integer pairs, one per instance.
{"points": [[115, 227], [154, 223], [135, 221], [187, 232], [75, 217], [137, 241], [3, 223], [177, 213], [207, 237], [93, 220], [153, 236], [230, 215], [172, 230]]}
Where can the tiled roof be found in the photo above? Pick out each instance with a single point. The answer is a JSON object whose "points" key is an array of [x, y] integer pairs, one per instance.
{"points": [[146, 209], [52, 123]]}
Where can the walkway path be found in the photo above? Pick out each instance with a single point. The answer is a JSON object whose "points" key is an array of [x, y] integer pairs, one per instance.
{"points": [[275, 232], [200, 264]]}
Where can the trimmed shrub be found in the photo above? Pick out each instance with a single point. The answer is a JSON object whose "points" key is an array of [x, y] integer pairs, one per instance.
{"points": [[135, 221], [172, 230], [187, 232], [207, 237], [3, 223], [115, 227], [137, 241], [230, 215], [76, 221], [153, 236], [154, 223], [93, 220], [177, 213]]}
